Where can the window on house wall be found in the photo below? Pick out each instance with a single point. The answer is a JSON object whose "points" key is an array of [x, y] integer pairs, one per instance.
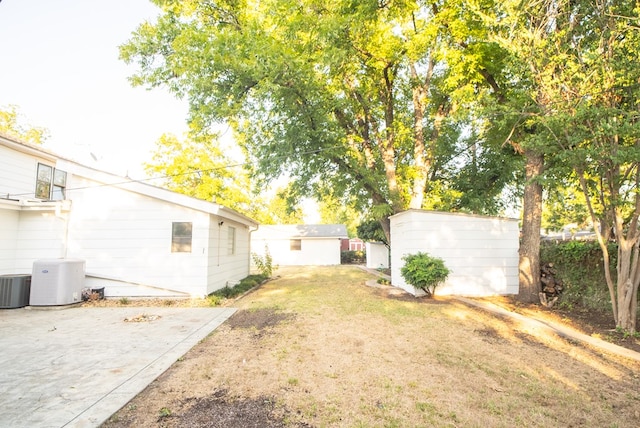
{"points": [[51, 183], [295, 244], [181, 237], [58, 192], [231, 241]]}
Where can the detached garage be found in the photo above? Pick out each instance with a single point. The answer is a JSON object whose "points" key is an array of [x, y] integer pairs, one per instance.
{"points": [[481, 252], [301, 244]]}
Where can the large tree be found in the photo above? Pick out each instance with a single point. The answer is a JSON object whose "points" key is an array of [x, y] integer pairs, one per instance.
{"points": [[579, 119], [365, 96], [595, 130]]}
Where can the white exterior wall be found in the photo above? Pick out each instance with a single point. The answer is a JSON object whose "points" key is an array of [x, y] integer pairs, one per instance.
{"points": [[28, 233], [313, 251], [122, 230], [481, 252], [125, 236], [377, 255], [226, 268], [8, 237], [18, 172], [40, 235]]}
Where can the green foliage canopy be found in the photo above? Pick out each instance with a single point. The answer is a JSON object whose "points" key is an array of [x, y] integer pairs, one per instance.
{"points": [[370, 97]]}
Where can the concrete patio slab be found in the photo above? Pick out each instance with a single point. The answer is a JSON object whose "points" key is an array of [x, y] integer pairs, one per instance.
{"points": [[76, 366]]}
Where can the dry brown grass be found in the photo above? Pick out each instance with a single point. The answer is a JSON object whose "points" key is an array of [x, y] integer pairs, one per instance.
{"points": [[319, 348]]}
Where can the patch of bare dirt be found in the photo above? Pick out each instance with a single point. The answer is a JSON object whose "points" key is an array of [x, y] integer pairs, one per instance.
{"points": [[220, 410], [259, 319]]}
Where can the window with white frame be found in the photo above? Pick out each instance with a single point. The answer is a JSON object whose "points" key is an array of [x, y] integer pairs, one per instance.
{"points": [[51, 183]]}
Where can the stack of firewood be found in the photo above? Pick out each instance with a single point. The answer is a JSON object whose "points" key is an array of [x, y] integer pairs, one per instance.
{"points": [[551, 286]]}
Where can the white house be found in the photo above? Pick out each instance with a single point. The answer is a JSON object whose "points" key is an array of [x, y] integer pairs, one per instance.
{"points": [[136, 239], [481, 252], [295, 245]]}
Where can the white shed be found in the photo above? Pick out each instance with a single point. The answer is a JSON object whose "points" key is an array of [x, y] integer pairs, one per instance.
{"points": [[300, 244], [481, 252], [377, 255]]}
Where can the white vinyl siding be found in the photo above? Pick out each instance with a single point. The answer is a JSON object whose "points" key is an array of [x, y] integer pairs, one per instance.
{"points": [[9, 220], [125, 235], [227, 269], [312, 252], [122, 230], [377, 255], [18, 173], [481, 252]]}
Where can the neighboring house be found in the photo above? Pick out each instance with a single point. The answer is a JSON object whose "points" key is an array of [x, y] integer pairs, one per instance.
{"points": [[481, 252], [136, 239], [297, 245], [352, 244]]}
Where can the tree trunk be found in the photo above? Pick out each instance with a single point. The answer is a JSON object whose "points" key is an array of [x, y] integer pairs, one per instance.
{"points": [[627, 285], [529, 265]]}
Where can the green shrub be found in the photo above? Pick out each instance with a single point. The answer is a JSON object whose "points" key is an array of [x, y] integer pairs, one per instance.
{"points": [[383, 281], [424, 271], [213, 300], [579, 265], [352, 257], [243, 286], [264, 263]]}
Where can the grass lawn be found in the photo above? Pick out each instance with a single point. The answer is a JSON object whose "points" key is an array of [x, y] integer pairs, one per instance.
{"points": [[317, 347]]}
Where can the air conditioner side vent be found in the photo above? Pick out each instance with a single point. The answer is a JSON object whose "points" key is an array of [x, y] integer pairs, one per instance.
{"points": [[14, 291]]}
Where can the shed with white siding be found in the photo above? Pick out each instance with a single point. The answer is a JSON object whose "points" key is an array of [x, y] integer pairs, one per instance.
{"points": [[377, 255], [137, 239], [481, 252]]}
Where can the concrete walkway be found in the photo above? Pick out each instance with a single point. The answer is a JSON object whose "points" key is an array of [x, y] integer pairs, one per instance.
{"points": [[75, 366]]}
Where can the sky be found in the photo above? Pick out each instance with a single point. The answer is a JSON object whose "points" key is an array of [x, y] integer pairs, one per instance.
{"points": [[59, 67]]}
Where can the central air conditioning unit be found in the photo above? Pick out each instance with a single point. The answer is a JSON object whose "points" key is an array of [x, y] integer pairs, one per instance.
{"points": [[57, 282], [14, 291]]}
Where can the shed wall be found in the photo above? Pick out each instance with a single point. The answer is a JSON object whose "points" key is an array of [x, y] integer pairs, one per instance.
{"points": [[481, 252], [377, 255]]}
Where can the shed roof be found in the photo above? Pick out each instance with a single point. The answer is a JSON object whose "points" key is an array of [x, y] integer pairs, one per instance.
{"points": [[289, 231], [446, 213]]}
